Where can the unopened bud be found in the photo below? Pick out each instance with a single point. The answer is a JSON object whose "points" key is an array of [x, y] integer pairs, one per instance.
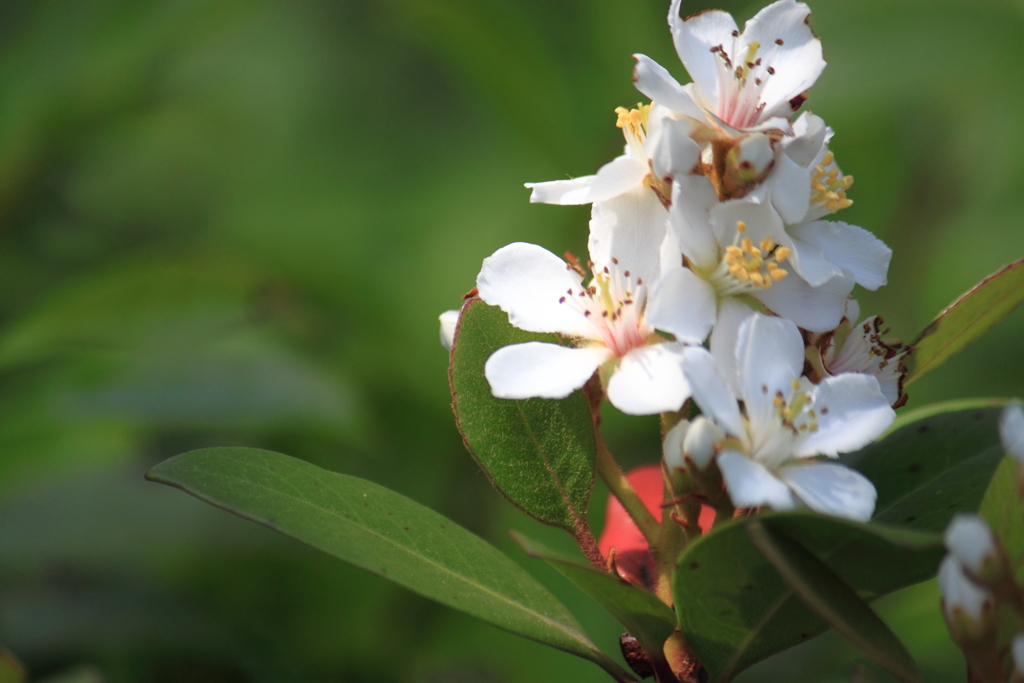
{"points": [[449, 319], [1011, 431], [701, 439], [752, 157], [970, 541], [672, 446], [968, 607], [1017, 647]]}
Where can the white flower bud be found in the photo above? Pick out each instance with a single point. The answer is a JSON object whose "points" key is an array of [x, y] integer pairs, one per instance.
{"points": [[699, 444], [1018, 653], [1011, 431], [970, 541], [672, 446], [449, 319], [754, 155], [963, 600]]}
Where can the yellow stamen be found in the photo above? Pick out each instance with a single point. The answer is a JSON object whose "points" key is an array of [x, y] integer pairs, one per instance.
{"points": [[741, 226], [767, 244]]}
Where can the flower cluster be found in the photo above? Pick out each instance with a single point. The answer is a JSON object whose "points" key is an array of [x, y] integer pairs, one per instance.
{"points": [[714, 279]]}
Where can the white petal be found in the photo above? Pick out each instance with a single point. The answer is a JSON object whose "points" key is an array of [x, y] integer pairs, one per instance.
{"points": [[684, 305], [619, 175], [757, 213], [851, 248], [731, 314], [790, 48], [809, 136], [539, 370], [791, 189], [449, 321], [817, 309], [1011, 430], [527, 281], [769, 355], [694, 37], [701, 442], [564, 192], [629, 228], [811, 264], [831, 489], [750, 484], [671, 150], [851, 413], [711, 392], [650, 380], [970, 541], [653, 80], [693, 197]]}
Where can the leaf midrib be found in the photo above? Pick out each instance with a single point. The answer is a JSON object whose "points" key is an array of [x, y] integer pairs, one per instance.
{"points": [[548, 620]]}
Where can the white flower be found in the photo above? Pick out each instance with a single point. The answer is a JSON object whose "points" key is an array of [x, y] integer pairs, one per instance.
{"points": [[970, 541], [657, 147], [964, 601], [741, 82], [770, 455], [736, 251], [611, 320], [449, 321], [1011, 430], [861, 347]]}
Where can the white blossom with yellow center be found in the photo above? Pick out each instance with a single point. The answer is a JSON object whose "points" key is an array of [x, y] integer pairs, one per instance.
{"points": [[610, 321], [741, 82], [777, 423], [657, 147]]}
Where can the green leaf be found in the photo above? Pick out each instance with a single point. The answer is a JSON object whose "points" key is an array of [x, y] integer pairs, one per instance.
{"points": [[735, 610], [383, 532], [966, 319], [646, 617], [832, 600], [933, 463], [1002, 509], [538, 453]]}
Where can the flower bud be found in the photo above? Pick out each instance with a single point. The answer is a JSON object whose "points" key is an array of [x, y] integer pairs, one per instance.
{"points": [[752, 157], [449, 319], [1017, 648], [968, 607], [970, 541], [1011, 431], [672, 446], [699, 443]]}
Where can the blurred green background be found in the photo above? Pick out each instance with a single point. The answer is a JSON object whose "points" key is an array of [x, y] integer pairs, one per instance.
{"points": [[235, 223]]}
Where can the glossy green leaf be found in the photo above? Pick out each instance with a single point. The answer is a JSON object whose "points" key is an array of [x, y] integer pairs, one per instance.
{"points": [[383, 532], [1002, 509], [967, 319], [933, 463], [642, 614], [735, 610], [539, 453], [833, 601]]}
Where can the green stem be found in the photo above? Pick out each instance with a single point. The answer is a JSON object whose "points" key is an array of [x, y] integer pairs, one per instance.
{"points": [[615, 480]]}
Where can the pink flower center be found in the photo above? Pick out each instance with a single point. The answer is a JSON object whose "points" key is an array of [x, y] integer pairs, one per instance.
{"points": [[614, 305]]}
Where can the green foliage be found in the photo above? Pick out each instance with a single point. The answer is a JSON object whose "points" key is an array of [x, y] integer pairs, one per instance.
{"points": [[10, 670], [1003, 510], [383, 532], [833, 601], [967, 319], [933, 463], [734, 608], [643, 615], [539, 453]]}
